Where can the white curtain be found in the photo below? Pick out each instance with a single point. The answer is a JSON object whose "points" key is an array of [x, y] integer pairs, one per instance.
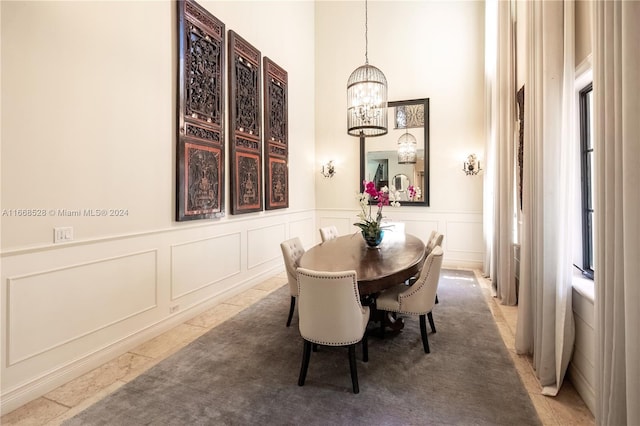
{"points": [[545, 326], [499, 177], [616, 92]]}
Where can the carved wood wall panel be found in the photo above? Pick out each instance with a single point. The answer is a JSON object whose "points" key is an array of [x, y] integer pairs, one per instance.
{"points": [[276, 129], [245, 130], [200, 151]]}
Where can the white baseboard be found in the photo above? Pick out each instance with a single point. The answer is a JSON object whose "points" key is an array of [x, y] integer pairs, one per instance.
{"points": [[585, 390]]}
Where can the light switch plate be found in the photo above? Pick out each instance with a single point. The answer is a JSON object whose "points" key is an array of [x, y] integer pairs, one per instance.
{"points": [[63, 234]]}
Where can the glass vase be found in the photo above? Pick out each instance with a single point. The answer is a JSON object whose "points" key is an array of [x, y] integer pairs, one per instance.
{"points": [[373, 239]]}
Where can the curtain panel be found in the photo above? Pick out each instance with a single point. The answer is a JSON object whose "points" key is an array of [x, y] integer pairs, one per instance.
{"points": [[545, 325], [616, 100], [498, 209]]}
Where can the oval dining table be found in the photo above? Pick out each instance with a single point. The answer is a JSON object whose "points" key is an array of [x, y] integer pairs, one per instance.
{"points": [[398, 258]]}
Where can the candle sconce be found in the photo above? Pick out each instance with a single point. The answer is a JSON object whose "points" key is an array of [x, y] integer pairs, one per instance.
{"points": [[471, 167]]}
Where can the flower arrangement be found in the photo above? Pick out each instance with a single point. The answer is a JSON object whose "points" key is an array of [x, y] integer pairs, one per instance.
{"points": [[414, 192], [371, 226]]}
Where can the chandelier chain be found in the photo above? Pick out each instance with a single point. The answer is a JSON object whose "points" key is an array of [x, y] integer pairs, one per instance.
{"points": [[366, 33]]}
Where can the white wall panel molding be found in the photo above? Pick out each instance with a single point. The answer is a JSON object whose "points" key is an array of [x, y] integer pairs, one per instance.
{"points": [[304, 229], [344, 225], [464, 236], [201, 263], [15, 396], [582, 366], [50, 308], [209, 226], [403, 210], [462, 230], [263, 244]]}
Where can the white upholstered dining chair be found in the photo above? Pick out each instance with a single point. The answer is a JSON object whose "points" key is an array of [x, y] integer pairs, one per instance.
{"points": [[418, 298], [435, 240], [330, 314], [292, 251], [328, 233]]}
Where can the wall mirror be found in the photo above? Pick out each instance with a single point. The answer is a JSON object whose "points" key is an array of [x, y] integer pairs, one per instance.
{"points": [[379, 159]]}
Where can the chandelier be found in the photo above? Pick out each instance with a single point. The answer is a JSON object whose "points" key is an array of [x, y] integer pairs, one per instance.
{"points": [[367, 96], [407, 149]]}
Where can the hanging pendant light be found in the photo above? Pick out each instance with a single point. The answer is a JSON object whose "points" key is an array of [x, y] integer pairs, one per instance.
{"points": [[407, 149], [367, 96]]}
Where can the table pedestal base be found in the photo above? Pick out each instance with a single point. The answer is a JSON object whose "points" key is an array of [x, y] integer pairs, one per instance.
{"points": [[389, 323]]}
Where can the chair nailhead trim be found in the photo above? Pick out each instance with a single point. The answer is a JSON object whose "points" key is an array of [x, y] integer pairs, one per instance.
{"points": [[320, 342]]}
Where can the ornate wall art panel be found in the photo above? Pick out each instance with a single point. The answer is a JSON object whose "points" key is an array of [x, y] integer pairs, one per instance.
{"points": [[245, 130], [248, 181], [200, 150], [276, 136], [202, 169], [409, 116], [278, 183]]}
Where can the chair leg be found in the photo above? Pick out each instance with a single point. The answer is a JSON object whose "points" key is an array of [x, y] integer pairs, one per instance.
{"points": [[381, 330], [365, 347], [306, 355], [431, 323], [423, 332], [354, 371], [315, 347], [293, 304], [437, 298]]}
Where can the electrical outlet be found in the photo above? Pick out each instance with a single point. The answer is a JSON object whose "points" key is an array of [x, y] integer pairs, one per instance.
{"points": [[63, 234], [173, 309]]}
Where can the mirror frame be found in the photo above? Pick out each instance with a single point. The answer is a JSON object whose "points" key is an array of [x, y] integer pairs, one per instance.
{"points": [[425, 190]]}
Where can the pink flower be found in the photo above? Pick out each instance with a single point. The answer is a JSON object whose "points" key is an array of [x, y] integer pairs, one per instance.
{"points": [[412, 192], [370, 188]]}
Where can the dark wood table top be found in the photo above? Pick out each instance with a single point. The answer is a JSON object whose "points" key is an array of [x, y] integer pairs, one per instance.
{"points": [[398, 258]]}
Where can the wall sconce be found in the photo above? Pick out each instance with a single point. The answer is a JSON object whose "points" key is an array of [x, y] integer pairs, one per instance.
{"points": [[328, 169], [471, 166]]}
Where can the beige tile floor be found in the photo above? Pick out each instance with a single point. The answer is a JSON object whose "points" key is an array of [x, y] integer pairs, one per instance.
{"points": [[68, 400]]}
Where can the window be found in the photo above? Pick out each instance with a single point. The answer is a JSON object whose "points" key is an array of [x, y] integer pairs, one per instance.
{"points": [[586, 183]]}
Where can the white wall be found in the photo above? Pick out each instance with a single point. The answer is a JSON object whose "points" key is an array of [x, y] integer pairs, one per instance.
{"points": [[432, 50], [582, 370], [88, 122]]}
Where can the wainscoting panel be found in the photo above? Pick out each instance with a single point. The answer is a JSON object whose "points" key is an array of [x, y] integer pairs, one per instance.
{"points": [[198, 264], [422, 229], [464, 236], [305, 230], [344, 225], [582, 367], [263, 244], [69, 308], [47, 309]]}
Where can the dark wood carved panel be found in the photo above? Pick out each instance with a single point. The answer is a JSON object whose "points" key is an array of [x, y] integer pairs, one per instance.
{"points": [[276, 136], [245, 130], [202, 169], [248, 181], [200, 150]]}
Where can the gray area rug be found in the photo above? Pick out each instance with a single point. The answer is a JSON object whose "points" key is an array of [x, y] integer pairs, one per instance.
{"points": [[245, 371]]}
